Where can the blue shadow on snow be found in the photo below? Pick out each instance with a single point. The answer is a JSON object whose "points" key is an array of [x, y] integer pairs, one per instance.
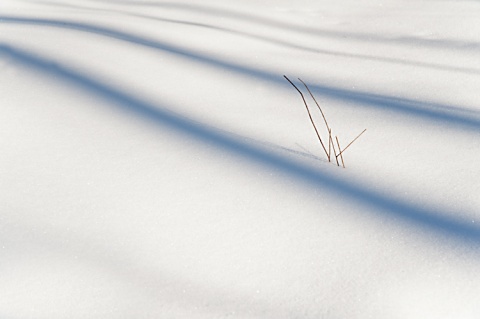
{"points": [[447, 115], [425, 218]]}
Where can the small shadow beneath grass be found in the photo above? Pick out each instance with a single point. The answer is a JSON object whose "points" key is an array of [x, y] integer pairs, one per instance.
{"points": [[375, 203]]}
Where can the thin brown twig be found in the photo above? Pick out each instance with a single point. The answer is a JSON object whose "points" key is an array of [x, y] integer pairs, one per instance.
{"points": [[333, 146], [351, 143], [329, 144], [341, 156], [309, 115], [318, 105]]}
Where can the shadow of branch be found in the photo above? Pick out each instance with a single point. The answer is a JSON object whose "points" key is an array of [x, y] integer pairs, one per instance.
{"points": [[446, 114], [287, 43], [375, 203], [264, 21]]}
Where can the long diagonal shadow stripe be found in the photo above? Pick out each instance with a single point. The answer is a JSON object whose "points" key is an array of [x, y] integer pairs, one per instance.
{"points": [[280, 25], [449, 115], [375, 203], [283, 42]]}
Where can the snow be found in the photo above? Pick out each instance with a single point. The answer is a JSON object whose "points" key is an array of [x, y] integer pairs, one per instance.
{"points": [[155, 163]]}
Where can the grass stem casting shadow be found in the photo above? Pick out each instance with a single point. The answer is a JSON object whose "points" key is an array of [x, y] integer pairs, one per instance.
{"points": [[331, 144]]}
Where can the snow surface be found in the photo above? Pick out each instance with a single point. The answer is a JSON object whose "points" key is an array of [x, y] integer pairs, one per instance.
{"points": [[154, 163]]}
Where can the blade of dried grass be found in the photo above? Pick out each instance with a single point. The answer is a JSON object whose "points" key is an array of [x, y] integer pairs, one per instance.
{"points": [[341, 156], [309, 114], [329, 144], [351, 142], [333, 146], [318, 105]]}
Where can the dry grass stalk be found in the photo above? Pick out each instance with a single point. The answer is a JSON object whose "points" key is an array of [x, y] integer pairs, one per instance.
{"points": [[331, 144], [314, 99], [351, 142], [341, 156], [323, 115], [309, 115], [330, 139]]}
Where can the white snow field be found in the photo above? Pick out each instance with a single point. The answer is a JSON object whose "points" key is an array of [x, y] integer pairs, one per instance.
{"points": [[154, 163]]}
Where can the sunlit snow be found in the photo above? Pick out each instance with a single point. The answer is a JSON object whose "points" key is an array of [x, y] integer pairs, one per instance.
{"points": [[155, 163]]}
